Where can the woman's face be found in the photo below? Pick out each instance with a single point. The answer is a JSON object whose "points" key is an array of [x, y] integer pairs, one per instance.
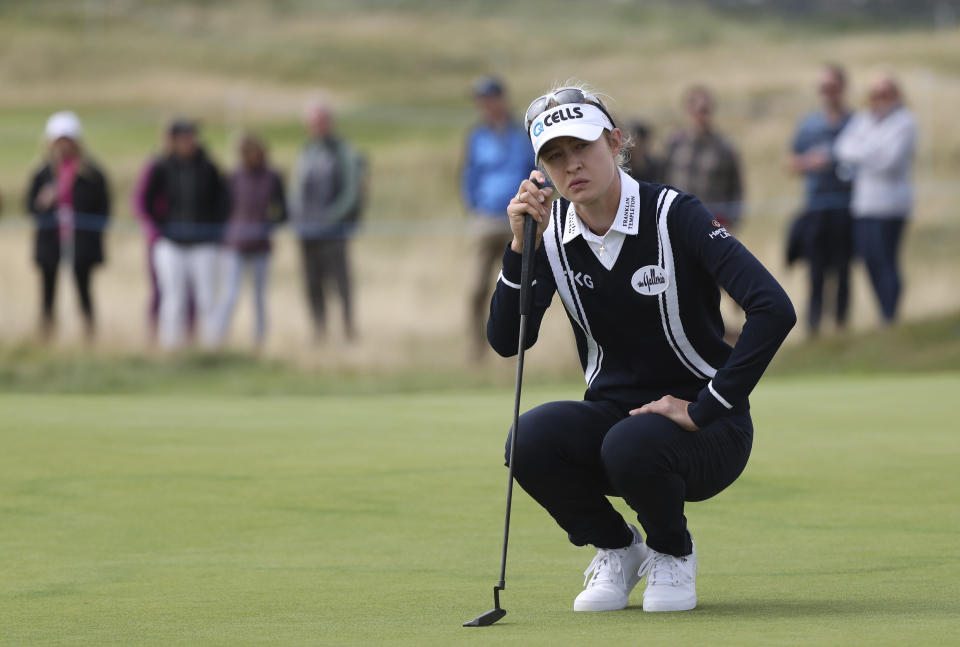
{"points": [[253, 157], [64, 148], [582, 171]]}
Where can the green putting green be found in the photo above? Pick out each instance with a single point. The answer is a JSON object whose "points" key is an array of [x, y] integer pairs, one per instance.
{"points": [[165, 520]]}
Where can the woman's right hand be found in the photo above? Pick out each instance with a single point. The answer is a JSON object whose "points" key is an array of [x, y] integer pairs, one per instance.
{"points": [[46, 198], [530, 200]]}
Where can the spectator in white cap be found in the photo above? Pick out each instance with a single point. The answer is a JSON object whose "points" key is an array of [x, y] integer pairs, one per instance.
{"points": [[70, 201]]}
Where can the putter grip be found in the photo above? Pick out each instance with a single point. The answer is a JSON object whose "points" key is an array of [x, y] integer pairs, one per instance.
{"points": [[526, 266]]}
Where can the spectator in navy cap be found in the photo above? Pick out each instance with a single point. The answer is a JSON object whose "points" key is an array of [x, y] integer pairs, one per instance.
{"points": [[497, 157], [187, 199]]}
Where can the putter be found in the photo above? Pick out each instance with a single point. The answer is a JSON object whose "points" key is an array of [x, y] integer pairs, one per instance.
{"points": [[526, 278]]}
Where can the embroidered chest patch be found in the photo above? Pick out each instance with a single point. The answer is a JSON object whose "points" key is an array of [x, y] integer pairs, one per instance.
{"points": [[650, 280]]}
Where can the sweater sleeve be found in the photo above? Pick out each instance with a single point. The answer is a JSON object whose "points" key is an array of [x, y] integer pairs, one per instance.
{"points": [[36, 183], [770, 314], [734, 186], [138, 199], [852, 144], [295, 193], [468, 173], [503, 325], [889, 146], [278, 201], [349, 191], [154, 188]]}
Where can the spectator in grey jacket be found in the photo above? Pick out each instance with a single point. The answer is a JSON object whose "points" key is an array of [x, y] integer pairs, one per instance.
{"points": [[877, 148], [325, 193]]}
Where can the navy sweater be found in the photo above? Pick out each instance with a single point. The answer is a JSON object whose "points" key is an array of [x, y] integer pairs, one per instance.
{"points": [[650, 326]]}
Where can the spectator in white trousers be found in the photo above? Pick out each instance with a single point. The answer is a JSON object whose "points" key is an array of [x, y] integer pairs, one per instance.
{"points": [[187, 199], [257, 206], [877, 148]]}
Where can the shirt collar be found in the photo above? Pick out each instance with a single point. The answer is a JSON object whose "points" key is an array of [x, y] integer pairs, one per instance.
{"points": [[626, 220]]}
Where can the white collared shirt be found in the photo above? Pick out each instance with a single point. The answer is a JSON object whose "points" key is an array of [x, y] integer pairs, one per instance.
{"points": [[607, 247]]}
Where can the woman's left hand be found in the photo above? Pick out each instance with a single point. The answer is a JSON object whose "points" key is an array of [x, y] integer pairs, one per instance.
{"points": [[672, 408]]}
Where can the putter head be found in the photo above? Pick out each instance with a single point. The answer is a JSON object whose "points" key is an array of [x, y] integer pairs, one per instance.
{"points": [[486, 619]]}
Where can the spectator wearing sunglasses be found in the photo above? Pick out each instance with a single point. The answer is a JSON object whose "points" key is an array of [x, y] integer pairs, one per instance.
{"points": [[665, 418], [824, 228], [878, 147], [497, 156]]}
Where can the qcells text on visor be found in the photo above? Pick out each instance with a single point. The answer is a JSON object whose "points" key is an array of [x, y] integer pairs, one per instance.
{"points": [[562, 115]]}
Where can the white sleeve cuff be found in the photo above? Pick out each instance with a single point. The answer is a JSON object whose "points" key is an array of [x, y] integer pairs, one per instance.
{"points": [[511, 284], [713, 391]]}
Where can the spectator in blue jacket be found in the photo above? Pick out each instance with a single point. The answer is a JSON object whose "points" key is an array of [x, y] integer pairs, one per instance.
{"points": [[497, 157], [827, 228]]}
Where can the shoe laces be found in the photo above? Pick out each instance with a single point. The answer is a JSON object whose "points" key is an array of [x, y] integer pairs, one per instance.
{"points": [[606, 567], [661, 568]]}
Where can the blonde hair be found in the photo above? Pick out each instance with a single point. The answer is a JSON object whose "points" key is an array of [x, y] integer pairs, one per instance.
{"points": [[626, 140]]}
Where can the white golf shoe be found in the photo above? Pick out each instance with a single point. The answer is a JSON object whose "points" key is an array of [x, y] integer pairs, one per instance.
{"points": [[671, 581], [616, 571]]}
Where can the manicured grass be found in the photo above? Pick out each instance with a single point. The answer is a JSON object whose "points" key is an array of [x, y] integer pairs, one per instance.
{"points": [[184, 519]]}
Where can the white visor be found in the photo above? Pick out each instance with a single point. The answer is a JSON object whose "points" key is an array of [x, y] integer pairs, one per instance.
{"points": [[580, 120]]}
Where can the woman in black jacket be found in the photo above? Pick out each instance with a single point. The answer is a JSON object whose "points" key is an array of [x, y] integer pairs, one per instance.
{"points": [[70, 201]]}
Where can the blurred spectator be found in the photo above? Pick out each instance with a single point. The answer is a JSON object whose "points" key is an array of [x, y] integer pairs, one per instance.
{"points": [[152, 234], [187, 200], [497, 157], [326, 196], [70, 201], [644, 165], [150, 230], [825, 227], [257, 205], [701, 161], [877, 146]]}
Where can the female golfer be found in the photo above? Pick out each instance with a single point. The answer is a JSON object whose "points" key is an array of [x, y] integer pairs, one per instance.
{"points": [[665, 418]]}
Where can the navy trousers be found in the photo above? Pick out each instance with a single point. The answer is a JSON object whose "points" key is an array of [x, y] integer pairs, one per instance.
{"points": [[877, 242], [571, 455], [829, 252]]}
